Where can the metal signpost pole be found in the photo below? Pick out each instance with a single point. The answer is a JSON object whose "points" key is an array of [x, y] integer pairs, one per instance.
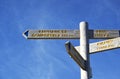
{"points": [[84, 49]]}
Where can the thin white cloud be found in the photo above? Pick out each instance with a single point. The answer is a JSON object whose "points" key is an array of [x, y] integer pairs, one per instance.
{"points": [[42, 53]]}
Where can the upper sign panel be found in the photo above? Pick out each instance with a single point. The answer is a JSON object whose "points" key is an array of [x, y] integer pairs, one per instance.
{"points": [[70, 34], [106, 33], [52, 34]]}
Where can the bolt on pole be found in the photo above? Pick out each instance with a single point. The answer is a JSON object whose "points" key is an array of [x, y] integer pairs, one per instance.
{"points": [[84, 49]]}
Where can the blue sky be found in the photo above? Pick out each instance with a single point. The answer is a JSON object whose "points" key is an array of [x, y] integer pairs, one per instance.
{"points": [[47, 59]]}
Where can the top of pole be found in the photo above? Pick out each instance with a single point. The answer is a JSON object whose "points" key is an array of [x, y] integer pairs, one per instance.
{"points": [[83, 23]]}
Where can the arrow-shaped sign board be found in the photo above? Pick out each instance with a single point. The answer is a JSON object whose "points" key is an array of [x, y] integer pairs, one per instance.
{"points": [[103, 45], [69, 34], [75, 55], [51, 34]]}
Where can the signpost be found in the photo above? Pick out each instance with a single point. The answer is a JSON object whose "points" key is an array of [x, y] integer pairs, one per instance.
{"points": [[81, 53]]}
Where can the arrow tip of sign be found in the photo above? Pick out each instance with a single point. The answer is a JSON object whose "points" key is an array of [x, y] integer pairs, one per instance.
{"points": [[25, 34], [67, 42], [67, 45]]}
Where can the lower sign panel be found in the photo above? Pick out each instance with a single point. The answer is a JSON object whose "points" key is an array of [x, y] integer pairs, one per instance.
{"points": [[75, 55], [103, 45]]}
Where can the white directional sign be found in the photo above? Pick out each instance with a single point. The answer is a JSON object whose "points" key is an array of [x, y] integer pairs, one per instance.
{"points": [[103, 45], [106, 33], [75, 55], [52, 34], [70, 34]]}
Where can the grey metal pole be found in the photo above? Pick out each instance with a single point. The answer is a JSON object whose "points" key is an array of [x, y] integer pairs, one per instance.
{"points": [[84, 49]]}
